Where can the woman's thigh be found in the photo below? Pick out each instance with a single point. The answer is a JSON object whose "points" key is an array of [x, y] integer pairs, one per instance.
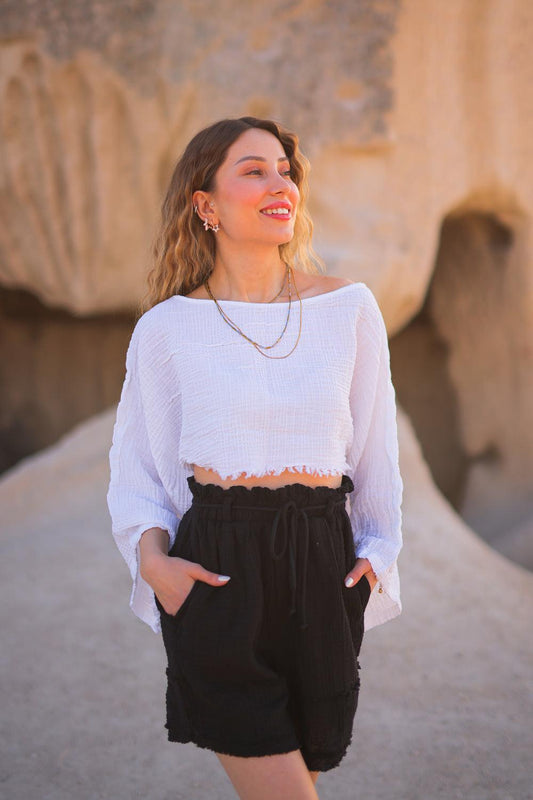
{"points": [[284, 777]]}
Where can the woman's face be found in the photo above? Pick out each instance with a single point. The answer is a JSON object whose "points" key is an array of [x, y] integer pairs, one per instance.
{"points": [[254, 198]]}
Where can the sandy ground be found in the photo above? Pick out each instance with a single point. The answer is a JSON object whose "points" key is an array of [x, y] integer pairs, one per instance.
{"points": [[446, 703]]}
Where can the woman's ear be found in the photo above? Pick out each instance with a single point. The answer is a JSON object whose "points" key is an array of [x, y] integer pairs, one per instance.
{"points": [[203, 205]]}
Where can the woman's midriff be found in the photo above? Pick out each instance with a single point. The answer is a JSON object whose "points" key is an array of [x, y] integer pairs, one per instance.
{"points": [[203, 475]]}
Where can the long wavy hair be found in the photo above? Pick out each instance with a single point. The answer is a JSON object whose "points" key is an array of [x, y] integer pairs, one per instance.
{"points": [[183, 252]]}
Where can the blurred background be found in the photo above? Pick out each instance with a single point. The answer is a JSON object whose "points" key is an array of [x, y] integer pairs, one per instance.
{"points": [[418, 120]]}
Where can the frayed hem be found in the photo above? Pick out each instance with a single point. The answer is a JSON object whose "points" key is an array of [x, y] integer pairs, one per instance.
{"points": [[241, 751], [315, 763], [324, 763], [261, 472]]}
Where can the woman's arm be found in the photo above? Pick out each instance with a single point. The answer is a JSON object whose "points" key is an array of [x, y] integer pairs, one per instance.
{"points": [[171, 578], [375, 511], [136, 497], [144, 516]]}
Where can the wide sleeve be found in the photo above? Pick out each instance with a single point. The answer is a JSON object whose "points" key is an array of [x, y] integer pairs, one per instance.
{"points": [[137, 497], [375, 503]]}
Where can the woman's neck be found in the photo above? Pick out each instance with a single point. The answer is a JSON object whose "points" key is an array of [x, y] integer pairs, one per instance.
{"points": [[247, 277]]}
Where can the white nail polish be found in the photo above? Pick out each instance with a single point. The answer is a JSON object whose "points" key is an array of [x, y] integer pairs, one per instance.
{"points": [[223, 578], [348, 582]]}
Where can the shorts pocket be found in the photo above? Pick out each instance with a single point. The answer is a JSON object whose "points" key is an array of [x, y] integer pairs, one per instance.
{"points": [[183, 547], [178, 616], [182, 542], [350, 598], [364, 589], [354, 607]]}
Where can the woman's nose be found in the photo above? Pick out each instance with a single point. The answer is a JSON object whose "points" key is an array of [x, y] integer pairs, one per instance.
{"points": [[279, 184]]}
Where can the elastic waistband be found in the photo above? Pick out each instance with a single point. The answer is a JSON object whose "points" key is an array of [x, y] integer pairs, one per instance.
{"points": [[290, 531], [255, 496]]}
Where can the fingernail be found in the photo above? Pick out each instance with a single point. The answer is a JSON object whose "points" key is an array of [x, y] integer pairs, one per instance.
{"points": [[222, 578], [348, 582]]}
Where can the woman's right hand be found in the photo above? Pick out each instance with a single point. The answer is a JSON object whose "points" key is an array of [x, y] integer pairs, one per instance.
{"points": [[172, 578]]}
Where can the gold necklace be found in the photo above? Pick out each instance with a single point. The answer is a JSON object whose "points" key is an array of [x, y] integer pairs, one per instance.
{"points": [[236, 327], [261, 347], [285, 277]]}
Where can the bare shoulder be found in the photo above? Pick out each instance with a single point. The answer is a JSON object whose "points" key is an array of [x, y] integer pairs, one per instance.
{"points": [[332, 282], [319, 284]]}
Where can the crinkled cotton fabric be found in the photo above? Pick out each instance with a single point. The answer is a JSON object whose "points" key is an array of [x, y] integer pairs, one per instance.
{"points": [[286, 632], [197, 392]]}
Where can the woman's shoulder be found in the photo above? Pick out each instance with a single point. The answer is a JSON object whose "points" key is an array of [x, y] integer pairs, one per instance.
{"points": [[155, 321], [361, 301], [311, 285]]}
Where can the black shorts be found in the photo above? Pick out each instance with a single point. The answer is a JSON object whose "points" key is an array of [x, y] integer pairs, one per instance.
{"points": [[267, 663]]}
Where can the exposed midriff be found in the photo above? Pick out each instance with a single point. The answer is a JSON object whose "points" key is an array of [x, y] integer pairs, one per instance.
{"points": [[203, 475]]}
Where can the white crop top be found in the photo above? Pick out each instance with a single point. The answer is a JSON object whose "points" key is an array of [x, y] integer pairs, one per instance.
{"points": [[196, 392]]}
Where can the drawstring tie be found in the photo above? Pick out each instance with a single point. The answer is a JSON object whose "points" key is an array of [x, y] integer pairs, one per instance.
{"points": [[297, 544], [284, 536]]}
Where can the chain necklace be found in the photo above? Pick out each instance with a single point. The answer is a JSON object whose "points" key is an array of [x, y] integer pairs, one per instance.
{"points": [[285, 277], [261, 347]]}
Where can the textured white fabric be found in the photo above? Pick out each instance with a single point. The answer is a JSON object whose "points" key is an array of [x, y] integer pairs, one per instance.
{"points": [[196, 392]]}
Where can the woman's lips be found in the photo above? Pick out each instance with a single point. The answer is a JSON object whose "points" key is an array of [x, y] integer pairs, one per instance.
{"points": [[277, 213]]}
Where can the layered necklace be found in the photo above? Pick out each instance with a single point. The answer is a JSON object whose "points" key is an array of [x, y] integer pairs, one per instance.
{"points": [[261, 347]]}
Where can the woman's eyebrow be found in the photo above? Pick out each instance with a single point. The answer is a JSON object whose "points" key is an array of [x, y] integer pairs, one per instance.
{"points": [[258, 158]]}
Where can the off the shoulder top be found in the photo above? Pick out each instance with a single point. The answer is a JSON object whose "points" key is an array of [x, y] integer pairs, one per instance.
{"points": [[196, 392]]}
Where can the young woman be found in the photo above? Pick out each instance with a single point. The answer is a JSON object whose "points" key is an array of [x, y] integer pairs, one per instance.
{"points": [[257, 401]]}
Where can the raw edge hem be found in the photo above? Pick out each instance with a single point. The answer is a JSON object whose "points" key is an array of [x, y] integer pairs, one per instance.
{"points": [[244, 751], [324, 763], [318, 763], [258, 472]]}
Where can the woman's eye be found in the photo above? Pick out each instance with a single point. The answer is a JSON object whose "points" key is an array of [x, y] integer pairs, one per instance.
{"points": [[286, 173]]}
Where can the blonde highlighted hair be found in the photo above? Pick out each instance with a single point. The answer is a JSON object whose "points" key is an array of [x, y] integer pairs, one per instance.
{"points": [[184, 253]]}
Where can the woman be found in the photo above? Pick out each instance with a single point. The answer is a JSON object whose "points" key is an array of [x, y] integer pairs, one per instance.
{"points": [[257, 401]]}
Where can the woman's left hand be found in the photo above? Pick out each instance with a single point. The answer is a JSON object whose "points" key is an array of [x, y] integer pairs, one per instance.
{"points": [[362, 567]]}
